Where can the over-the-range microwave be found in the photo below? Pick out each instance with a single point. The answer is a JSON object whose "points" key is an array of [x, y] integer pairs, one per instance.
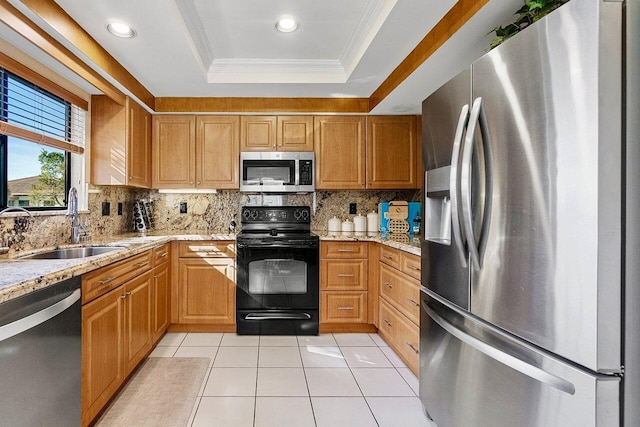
{"points": [[277, 172]]}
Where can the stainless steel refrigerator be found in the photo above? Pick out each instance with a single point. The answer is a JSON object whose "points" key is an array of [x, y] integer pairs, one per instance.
{"points": [[525, 238]]}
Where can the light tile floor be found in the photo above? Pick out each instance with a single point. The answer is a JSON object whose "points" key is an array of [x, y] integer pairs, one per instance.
{"points": [[327, 380]]}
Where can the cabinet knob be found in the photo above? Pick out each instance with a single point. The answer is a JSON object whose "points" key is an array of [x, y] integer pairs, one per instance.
{"points": [[130, 177], [191, 182]]}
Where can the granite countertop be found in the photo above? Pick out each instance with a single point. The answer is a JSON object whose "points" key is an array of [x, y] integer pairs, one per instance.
{"points": [[22, 276]]}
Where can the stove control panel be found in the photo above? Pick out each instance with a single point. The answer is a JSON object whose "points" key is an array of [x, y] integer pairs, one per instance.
{"points": [[279, 214]]}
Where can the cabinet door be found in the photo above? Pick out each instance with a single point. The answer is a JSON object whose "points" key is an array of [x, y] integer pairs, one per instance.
{"points": [[174, 147], [138, 146], [295, 133], [137, 336], [206, 290], [217, 152], [339, 147], [102, 351], [343, 274], [257, 133], [391, 152], [160, 300]]}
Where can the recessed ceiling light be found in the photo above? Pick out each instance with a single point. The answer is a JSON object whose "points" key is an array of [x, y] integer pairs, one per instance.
{"points": [[121, 30], [286, 24]]}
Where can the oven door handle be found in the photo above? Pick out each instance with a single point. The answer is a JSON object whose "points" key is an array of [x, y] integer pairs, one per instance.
{"points": [[278, 316]]}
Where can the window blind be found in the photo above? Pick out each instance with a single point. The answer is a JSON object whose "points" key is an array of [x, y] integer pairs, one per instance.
{"points": [[31, 113]]}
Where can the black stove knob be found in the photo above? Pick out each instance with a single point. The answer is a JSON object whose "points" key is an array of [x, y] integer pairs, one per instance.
{"points": [[305, 214], [297, 215], [246, 214], [273, 232]]}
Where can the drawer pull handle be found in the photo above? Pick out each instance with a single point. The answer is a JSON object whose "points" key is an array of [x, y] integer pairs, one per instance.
{"points": [[412, 302], [212, 253], [107, 280], [163, 254], [346, 250], [127, 294], [413, 267], [345, 275], [387, 256], [388, 285], [142, 264], [345, 308], [386, 322], [412, 348]]}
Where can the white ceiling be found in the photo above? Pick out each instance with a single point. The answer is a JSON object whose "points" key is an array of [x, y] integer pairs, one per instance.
{"points": [[230, 48]]}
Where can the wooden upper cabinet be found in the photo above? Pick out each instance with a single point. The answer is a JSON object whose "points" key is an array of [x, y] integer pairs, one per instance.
{"points": [[295, 133], [120, 143], [392, 152], [217, 152], [340, 152], [276, 133], [257, 133], [174, 146], [196, 152]]}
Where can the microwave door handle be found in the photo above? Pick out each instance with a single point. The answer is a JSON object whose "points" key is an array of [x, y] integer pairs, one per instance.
{"points": [[454, 183], [465, 184]]}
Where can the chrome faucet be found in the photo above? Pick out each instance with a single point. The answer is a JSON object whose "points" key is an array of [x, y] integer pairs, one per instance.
{"points": [[72, 211]]}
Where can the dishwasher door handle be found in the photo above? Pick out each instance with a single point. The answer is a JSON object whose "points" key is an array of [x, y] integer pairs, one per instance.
{"points": [[19, 326]]}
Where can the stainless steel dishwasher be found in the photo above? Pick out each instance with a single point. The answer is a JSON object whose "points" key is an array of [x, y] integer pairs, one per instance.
{"points": [[40, 351]]}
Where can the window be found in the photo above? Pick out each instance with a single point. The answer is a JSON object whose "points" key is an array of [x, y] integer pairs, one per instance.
{"points": [[38, 132]]}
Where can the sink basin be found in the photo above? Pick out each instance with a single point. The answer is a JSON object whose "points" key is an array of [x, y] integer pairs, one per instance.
{"points": [[71, 253]]}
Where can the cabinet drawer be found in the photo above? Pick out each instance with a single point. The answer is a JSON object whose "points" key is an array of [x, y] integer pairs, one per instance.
{"points": [[343, 250], [161, 254], [401, 291], [390, 256], [343, 275], [207, 249], [401, 334], [101, 281], [410, 264], [343, 307]]}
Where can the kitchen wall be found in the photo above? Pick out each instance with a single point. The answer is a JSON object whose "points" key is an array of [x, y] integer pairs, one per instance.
{"points": [[205, 212]]}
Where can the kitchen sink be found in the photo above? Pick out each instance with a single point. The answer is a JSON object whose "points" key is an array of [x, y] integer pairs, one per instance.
{"points": [[72, 253]]}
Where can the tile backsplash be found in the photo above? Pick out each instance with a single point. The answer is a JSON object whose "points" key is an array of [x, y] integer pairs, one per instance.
{"points": [[206, 212]]}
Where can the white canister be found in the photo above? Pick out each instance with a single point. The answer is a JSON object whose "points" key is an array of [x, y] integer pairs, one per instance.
{"points": [[359, 225], [335, 225], [347, 228], [372, 223]]}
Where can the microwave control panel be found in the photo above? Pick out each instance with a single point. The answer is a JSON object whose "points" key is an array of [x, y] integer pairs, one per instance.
{"points": [[306, 172]]}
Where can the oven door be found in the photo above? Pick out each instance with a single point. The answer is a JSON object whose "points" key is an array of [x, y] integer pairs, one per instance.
{"points": [[277, 277]]}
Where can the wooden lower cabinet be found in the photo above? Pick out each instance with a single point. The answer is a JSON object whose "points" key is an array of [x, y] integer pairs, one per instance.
{"points": [[341, 307], [119, 325], [401, 334], [206, 290], [161, 301], [137, 298], [344, 287], [102, 351]]}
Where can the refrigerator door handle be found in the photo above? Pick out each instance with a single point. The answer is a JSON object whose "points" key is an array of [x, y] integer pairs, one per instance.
{"points": [[465, 184], [454, 189], [500, 356]]}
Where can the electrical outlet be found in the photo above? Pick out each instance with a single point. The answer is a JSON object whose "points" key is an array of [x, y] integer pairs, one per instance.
{"points": [[106, 208], [353, 209], [183, 207], [119, 208]]}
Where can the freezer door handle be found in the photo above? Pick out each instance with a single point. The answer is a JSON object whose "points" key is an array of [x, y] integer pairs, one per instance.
{"points": [[454, 188], [500, 356], [476, 246]]}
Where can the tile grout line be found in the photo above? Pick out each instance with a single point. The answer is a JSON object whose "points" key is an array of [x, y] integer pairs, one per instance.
{"points": [[306, 381]]}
